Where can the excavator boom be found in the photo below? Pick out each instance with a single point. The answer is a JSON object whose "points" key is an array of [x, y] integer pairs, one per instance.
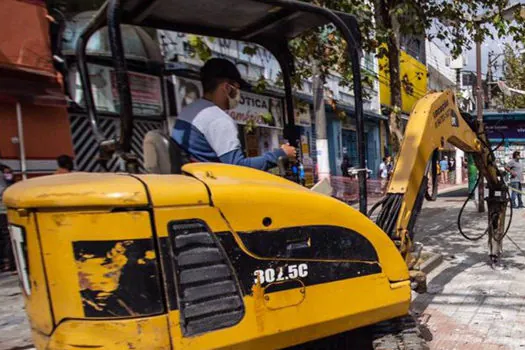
{"points": [[435, 121]]}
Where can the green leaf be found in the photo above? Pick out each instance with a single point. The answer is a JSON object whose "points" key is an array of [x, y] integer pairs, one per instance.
{"points": [[260, 85], [250, 125], [249, 50], [267, 117]]}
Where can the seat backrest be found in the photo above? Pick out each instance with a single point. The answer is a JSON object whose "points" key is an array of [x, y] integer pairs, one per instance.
{"points": [[162, 155]]}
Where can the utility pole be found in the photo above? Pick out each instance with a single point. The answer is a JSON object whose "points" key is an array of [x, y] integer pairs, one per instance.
{"points": [[489, 80], [457, 64], [323, 162], [459, 153], [492, 63], [479, 111]]}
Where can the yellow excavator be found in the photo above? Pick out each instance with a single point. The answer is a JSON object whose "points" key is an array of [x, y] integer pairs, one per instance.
{"points": [[213, 256]]}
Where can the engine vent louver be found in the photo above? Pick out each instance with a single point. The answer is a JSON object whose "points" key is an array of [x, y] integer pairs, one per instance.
{"points": [[209, 295]]}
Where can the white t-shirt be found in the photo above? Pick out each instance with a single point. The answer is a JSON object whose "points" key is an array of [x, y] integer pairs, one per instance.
{"points": [[383, 170]]}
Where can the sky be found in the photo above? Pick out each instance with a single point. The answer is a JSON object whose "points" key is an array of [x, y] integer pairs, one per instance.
{"points": [[495, 45]]}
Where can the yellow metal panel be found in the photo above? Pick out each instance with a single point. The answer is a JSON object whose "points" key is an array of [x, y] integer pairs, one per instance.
{"points": [[434, 121], [236, 175], [139, 334], [58, 232], [175, 190], [327, 309], [289, 317], [250, 196], [413, 75], [37, 302], [76, 190]]}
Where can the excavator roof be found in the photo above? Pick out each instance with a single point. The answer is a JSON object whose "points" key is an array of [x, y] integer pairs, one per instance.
{"points": [[247, 20]]}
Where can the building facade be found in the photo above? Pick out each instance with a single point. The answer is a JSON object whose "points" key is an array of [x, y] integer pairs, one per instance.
{"points": [[413, 73], [440, 75], [145, 66], [32, 104]]}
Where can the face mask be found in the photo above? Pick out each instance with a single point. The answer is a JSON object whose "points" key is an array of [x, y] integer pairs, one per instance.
{"points": [[8, 176], [234, 101]]}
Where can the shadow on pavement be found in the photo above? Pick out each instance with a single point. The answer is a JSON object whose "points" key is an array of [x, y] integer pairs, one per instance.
{"points": [[437, 230]]}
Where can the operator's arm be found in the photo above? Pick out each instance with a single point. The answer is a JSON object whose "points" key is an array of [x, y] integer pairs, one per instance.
{"points": [[223, 138], [264, 162]]}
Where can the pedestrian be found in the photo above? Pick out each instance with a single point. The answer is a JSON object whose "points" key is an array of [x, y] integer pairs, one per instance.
{"points": [[452, 170], [515, 168], [6, 253], [464, 168], [389, 166], [65, 164], [443, 164], [383, 174], [345, 165]]}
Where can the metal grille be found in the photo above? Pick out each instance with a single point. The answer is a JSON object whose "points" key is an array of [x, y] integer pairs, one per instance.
{"points": [[86, 147], [209, 296]]}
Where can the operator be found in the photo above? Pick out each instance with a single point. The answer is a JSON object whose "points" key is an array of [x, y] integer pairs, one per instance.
{"points": [[207, 133]]}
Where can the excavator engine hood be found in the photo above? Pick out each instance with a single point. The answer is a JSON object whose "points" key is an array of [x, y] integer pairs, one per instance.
{"points": [[220, 256]]}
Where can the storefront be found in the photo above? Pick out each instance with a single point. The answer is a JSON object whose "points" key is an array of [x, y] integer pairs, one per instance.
{"points": [[342, 136], [145, 65], [303, 120], [34, 128], [506, 130]]}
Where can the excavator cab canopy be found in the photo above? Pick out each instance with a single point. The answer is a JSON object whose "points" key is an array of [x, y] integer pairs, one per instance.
{"points": [[269, 23]]}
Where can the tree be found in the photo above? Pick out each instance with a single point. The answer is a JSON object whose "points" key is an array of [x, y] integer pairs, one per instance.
{"points": [[384, 22], [514, 74]]}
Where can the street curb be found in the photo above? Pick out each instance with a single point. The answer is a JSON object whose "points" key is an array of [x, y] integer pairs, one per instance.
{"points": [[431, 263], [452, 189]]}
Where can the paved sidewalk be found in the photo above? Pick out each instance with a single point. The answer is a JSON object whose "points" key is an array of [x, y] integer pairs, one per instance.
{"points": [[14, 327], [469, 305]]}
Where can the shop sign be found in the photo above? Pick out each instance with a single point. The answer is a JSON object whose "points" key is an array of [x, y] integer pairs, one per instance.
{"points": [[303, 116], [348, 124], [145, 91], [187, 91], [511, 129], [263, 110]]}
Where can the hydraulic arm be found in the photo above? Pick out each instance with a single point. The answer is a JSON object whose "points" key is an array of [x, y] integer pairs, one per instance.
{"points": [[434, 121]]}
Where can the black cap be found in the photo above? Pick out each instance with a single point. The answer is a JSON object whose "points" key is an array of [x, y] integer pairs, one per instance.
{"points": [[220, 68]]}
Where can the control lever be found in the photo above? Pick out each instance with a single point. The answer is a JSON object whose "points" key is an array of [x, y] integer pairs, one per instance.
{"points": [[282, 163]]}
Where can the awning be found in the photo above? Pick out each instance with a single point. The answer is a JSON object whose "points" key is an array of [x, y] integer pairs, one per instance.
{"points": [[350, 109], [21, 85]]}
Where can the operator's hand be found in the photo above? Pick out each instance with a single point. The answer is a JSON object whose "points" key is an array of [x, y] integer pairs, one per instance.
{"points": [[290, 151]]}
